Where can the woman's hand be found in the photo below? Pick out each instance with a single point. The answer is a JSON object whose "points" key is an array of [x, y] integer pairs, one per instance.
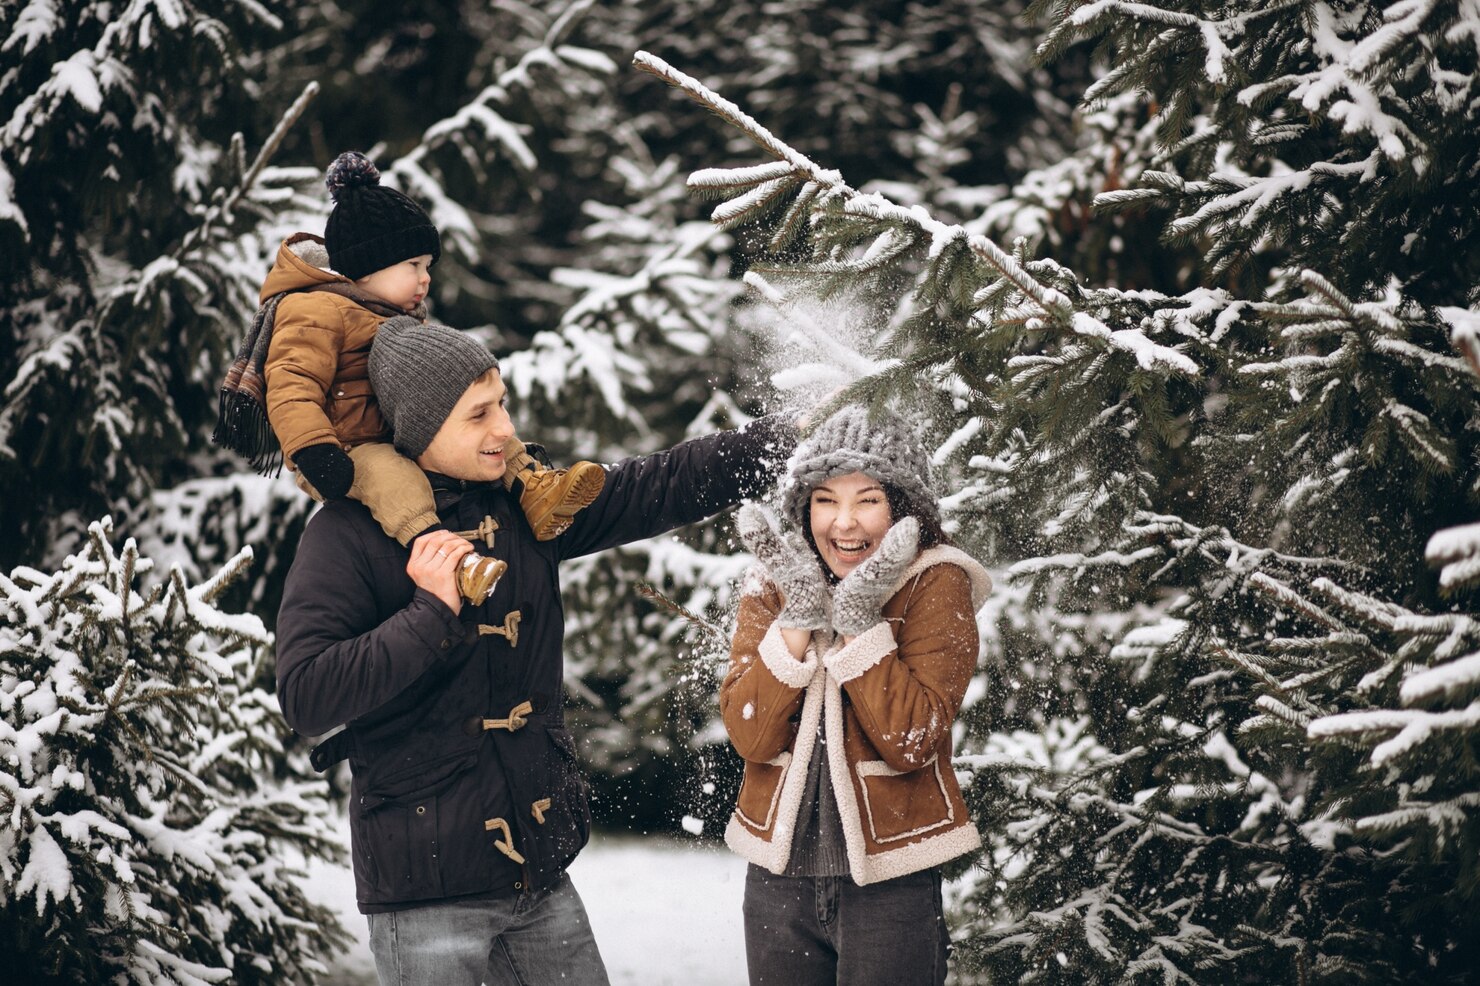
{"points": [[791, 564], [435, 557], [858, 601]]}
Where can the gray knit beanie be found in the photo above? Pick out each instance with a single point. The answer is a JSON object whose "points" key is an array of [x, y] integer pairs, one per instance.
{"points": [[883, 447], [418, 373]]}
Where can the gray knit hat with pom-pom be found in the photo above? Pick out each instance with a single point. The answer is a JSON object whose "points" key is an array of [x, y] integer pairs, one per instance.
{"points": [[850, 441], [372, 227]]}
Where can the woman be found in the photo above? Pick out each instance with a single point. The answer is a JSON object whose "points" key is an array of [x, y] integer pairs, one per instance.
{"points": [[851, 655]]}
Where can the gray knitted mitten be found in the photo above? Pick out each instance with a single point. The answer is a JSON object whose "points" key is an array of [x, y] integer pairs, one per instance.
{"points": [[859, 599], [791, 564]]}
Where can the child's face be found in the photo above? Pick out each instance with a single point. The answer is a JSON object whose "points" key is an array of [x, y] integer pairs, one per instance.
{"points": [[404, 284]]}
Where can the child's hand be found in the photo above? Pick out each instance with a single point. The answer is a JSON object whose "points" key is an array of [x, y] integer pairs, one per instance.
{"points": [[435, 557], [328, 470]]}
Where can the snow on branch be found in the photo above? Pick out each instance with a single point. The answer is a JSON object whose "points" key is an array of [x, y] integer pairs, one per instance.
{"points": [[595, 337], [1444, 681], [1464, 329], [1413, 727], [736, 117], [483, 114], [765, 182], [1457, 550], [1444, 817]]}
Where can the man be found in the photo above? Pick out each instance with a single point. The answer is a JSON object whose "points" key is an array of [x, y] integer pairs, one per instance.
{"points": [[467, 803]]}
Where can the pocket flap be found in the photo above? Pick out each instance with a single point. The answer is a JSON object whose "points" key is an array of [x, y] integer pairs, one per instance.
{"points": [[418, 780]]}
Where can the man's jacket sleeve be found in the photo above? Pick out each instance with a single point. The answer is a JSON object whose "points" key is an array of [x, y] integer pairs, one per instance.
{"points": [[337, 659], [651, 494]]}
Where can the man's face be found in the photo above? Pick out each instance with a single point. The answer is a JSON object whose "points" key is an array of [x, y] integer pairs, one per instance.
{"points": [[470, 443], [404, 284]]}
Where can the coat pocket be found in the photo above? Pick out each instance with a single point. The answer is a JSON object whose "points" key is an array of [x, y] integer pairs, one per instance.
{"points": [[760, 791], [554, 811], [903, 804], [396, 844], [346, 401]]}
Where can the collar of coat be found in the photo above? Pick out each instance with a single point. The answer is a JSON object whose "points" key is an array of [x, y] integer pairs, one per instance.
{"points": [[944, 554]]}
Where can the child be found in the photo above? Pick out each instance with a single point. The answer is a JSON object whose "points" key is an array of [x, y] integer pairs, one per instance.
{"points": [[378, 247]]}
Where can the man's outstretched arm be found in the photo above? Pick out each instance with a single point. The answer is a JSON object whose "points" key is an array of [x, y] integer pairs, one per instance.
{"points": [[648, 495]]}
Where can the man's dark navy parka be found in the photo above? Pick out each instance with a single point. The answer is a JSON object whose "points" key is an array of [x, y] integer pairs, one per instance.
{"points": [[465, 779]]}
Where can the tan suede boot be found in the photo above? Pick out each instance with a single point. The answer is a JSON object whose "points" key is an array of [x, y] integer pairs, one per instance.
{"points": [[551, 498], [477, 576]]}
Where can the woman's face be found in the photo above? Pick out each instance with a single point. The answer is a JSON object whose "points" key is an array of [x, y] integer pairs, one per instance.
{"points": [[850, 514]]}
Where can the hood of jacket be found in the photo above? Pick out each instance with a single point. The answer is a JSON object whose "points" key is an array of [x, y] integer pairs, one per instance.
{"points": [[302, 262]]}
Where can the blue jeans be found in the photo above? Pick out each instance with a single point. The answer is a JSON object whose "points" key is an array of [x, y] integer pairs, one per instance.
{"points": [[537, 938], [826, 930]]}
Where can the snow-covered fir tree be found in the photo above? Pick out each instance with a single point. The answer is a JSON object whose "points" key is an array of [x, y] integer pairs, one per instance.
{"points": [[1212, 460], [150, 832], [1225, 726]]}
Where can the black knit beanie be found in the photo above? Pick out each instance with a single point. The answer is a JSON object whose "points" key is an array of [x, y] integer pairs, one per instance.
{"points": [[419, 373], [372, 227]]}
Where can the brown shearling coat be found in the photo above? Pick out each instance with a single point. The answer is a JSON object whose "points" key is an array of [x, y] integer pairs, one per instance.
{"points": [[318, 364], [888, 742]]}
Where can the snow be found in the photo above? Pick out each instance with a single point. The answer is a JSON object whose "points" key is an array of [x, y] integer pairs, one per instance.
{"points": [[47, 872], [665, 912], [730, 178], [1148, 354], [1443, 681], [1454, 542], [9, 209]]}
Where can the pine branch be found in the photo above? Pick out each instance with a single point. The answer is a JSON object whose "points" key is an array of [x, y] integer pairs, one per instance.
{"points": [[647, 591], [834, 193]]}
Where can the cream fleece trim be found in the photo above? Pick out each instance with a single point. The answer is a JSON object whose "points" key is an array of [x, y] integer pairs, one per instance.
{"points": [[919, 855], [842, 780], [751, 847], [861, 653], [941, 554], [773, 854], [782, 663], [312, 251]]}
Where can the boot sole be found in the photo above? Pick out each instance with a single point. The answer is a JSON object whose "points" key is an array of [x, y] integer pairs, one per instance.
{"points": [[584, 483]]}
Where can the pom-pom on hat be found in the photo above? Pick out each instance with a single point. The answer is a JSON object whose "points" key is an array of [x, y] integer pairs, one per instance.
{"points": [[419, 372], [372, 227], [850, 441]]}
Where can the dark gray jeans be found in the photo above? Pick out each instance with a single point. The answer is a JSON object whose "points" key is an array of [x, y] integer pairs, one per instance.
{"points": [[826, 930]]}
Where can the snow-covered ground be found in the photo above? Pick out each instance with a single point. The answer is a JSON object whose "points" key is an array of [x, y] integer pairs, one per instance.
{"points": [[664, 911]]}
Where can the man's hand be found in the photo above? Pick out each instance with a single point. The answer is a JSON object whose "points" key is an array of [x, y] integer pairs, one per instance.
{"points": [[435, 557], [859, 599], [791, 564]]}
